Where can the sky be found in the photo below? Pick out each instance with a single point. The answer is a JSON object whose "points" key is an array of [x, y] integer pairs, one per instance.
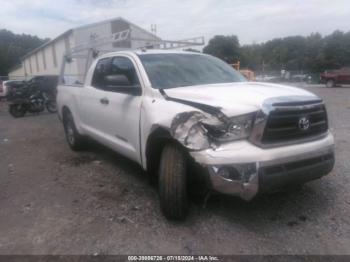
{"points": [[253, 21]]}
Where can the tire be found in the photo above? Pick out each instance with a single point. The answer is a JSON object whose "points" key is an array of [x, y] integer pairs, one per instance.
{"points": [[173, 182], [51, 107], [330, 83], [17, 110], [75, 141]]}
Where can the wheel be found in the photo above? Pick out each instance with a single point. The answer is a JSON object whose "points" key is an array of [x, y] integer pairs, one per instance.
{"points": [[330, 83], [51, 106], [75, 141], [173, 182], [17, 110]]}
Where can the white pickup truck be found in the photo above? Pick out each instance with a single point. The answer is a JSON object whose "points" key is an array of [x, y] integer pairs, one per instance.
{"points": [[170, 111]]}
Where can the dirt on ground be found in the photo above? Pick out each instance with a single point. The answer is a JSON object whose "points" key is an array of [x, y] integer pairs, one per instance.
{"points": [[55, 201]]}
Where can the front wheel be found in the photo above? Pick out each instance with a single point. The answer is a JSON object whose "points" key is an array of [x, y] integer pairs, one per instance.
{"points": [[173, 182], [17, 110], [330, 83]]}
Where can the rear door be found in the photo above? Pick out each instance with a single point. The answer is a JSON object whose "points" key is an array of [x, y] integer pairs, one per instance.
{"points": [[110, 115]]}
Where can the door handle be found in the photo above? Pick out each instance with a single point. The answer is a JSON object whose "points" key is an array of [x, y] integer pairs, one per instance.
{"points": [[104, 101]]}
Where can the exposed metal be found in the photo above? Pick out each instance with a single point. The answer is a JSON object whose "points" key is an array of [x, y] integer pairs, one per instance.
{"points": [[248, 185]]}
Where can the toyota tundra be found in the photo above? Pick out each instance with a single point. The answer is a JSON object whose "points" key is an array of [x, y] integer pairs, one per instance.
{"points": [[168, 110]]}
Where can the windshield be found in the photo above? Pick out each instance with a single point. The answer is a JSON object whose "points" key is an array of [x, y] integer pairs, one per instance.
{"points": [[178, 70]]}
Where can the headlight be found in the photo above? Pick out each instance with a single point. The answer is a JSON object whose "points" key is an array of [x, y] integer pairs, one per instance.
{"points": [[238, 127]]}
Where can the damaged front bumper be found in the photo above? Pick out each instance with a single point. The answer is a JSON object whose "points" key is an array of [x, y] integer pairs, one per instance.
{"points": [[244, 170]]}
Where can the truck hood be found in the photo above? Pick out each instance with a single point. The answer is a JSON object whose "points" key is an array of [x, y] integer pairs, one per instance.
{"points": [[239, 98]]}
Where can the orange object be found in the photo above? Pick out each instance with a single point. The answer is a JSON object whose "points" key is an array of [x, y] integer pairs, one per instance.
{"points": [[249, 74], [236, 65]]}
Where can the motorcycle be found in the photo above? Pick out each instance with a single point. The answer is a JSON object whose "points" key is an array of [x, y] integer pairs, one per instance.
{"points": [[30, 99]]}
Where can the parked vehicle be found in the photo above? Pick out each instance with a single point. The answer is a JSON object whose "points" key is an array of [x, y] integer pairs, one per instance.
{"points": [[29, 98], [333, 78], [172, 111], [6, 85], [46, 83], [2, 88], [301, 78], [268, 78]]}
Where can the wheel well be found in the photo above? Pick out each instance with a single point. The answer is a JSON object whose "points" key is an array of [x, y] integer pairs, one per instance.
{"points": [[155, 143], [65, 112]]}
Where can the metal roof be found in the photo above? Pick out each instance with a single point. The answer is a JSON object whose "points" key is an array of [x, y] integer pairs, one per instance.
{"points": [[85, 26], [47, 43]]}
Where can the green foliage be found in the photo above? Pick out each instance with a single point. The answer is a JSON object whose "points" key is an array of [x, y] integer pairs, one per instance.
{"points": [[223, 47], [312, 53], [13, 47]]}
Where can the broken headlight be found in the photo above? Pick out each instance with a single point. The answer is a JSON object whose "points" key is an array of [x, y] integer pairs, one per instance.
{"points": [[236, 128]]}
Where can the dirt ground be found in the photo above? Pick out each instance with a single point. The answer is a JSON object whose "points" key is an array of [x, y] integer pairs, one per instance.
{"points": [[55, 201]]}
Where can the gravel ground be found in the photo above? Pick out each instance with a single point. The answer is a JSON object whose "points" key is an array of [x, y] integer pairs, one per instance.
{"points": [[55, 201]]}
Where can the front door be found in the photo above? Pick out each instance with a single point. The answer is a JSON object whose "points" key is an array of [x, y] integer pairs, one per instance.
{"points": [[112, 114]]}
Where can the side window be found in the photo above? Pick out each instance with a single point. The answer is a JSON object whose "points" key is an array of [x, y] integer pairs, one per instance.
{"points": [[124, 66], [102, 69]]}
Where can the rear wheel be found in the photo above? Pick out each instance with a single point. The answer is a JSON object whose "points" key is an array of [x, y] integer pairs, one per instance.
{"points": [[17, 110], [173, 182], [75, 141], [51, 107], [330, 83]]}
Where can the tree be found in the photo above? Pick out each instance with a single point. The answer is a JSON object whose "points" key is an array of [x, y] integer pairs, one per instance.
{"points": [[224, 47], [312, 53], [251, 57], [13, 47]]}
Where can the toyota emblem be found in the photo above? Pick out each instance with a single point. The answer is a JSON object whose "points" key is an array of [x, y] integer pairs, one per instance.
{"points": [[304, 123]]}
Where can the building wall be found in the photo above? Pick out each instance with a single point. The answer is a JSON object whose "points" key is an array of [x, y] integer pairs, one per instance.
{"points": [[141, 34], [46, 61], [105, 29], [17, 74], [83, 35], [119, 26]]}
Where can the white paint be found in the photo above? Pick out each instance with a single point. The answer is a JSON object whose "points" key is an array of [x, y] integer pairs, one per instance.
{"points": [[126, 124]]}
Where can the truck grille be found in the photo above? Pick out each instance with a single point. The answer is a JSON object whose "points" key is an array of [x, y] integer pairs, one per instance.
{"points": [[288, 122]]}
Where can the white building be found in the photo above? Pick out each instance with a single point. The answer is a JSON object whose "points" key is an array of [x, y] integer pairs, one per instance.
{"points": [[47, 59]]}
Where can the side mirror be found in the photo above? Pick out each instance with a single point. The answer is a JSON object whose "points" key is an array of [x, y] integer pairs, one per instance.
{"points": [[117, 80], [121, 84]]}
